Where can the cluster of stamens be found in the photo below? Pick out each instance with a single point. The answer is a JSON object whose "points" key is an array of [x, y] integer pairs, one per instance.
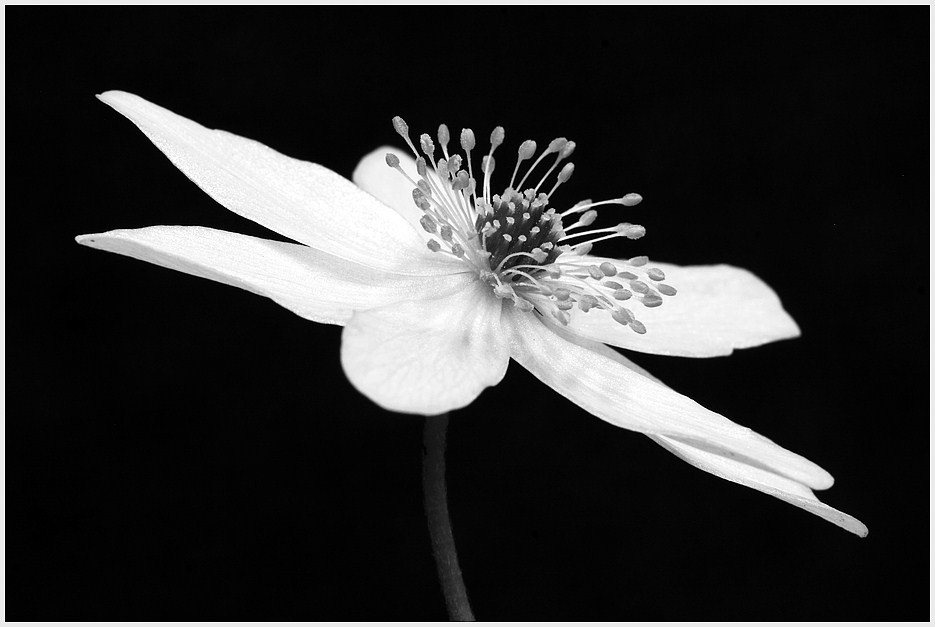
{"points": [[516, 242]]}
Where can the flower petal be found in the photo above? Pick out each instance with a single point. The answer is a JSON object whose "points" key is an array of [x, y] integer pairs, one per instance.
{"points": [[583, 372], [303, 201], [313, 284], [759, 479], [389, 186], [717, 309], [427, 356], [750, 475]]}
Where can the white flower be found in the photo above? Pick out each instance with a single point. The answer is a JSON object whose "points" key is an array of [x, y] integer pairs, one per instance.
{"points": [[418, 265]]}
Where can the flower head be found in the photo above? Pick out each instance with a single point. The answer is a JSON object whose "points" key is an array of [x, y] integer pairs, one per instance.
{"points": [[439, 279]]}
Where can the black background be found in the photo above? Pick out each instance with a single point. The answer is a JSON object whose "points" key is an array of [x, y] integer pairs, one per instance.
{"points": [[178, 449]]}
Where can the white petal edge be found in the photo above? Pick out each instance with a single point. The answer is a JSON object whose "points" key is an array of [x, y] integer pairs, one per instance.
{"points": [[308, 282], [300, 200], [717, 309], [427, 357], [388, 185], [613, 392]]}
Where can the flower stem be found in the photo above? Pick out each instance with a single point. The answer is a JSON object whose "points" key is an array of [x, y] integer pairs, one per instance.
{"points": [[436, 510]]}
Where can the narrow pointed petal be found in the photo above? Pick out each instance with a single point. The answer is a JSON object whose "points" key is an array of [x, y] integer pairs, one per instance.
{"points": [[759, 479], [717, 309], [312, 284], [732, 469], [303, 201], [389, 186], [427, 356], [582, 372]]}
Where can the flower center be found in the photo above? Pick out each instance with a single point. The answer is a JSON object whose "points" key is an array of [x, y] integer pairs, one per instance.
{"points": [[517, 243]]}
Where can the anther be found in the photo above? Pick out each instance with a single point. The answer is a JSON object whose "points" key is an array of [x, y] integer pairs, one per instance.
{"points": [[392, 160], [526, 150], [433, 245], [467, 139], [588, 218], [608, 269], [428, 146], [630, 231], [586, 302], [631, 200], [595, 273], [621, 316], [638, 326], [565, 174], [635, 232], [638, 286], [612, 285], [428, 224], [556, 144], [622, 294], [420, 166], [446, 233], [638, 261], [457, 250], [562, 293], [496, 138], [656, 274], [652, 300], [667, 290], [401, 127], [443, 137]]}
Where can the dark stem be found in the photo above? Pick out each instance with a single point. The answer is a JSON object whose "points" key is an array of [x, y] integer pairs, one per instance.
{"points": [[436, 510]]}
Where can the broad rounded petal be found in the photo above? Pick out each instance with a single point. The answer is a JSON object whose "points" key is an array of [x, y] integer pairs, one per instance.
{"points": [[717, 309], [388, 185], [608, 389], [303, 201], [759, 479], [313, 284], [427, 356]]}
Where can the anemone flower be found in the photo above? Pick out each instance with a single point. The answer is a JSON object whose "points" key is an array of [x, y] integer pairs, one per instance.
{"points": [[438, 283]]}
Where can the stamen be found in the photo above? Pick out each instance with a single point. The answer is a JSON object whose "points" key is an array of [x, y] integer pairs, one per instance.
{"points": [[443, 138], [526, 150], [554, 146], [563, 176], [563, 153], [514, 241], [403, 129]]}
